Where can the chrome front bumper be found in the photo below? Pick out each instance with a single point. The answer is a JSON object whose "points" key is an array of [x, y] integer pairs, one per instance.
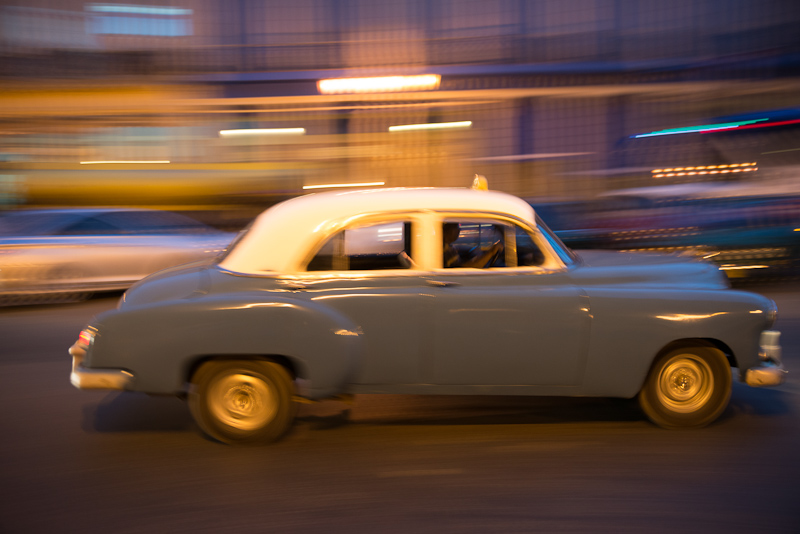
{"points": [[83, 378], [771, 372]]}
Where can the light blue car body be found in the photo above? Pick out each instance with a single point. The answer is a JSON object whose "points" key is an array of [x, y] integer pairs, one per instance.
{"points": [[588, 325]]}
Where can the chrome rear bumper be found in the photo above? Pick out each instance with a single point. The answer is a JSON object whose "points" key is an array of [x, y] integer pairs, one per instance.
{"points": [[83, 378]]}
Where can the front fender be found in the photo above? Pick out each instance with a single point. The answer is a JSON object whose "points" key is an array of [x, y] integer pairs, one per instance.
{"points": [[160, 343], [630, 328]]}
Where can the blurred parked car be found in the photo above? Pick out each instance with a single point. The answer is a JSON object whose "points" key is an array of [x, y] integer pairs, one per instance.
{"points": [[96, 249], [751, 233], [354, 292]]}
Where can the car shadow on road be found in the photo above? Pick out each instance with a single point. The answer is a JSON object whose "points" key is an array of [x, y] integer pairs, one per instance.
{"points": [[392, 410], [136, 412]]}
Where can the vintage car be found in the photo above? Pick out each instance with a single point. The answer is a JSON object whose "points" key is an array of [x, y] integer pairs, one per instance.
{"points": [[83, 250], [425, 291]]}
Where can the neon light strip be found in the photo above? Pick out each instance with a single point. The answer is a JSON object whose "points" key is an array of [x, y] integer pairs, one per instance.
{"points": [[123, 162], [430, 126], [262, 131], [702, 128], [381, 84], [364, 184], [769, 124]]}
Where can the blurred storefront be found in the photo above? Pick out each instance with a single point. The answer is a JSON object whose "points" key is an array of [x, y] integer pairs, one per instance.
{"points": [[215, 105]]}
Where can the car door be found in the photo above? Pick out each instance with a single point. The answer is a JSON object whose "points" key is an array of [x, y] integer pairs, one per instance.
{"points": [[366, 272], [517, 321]]}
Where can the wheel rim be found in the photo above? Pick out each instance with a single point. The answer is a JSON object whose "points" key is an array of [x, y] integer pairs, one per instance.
{"points": [[242, 401], [685, 383]]}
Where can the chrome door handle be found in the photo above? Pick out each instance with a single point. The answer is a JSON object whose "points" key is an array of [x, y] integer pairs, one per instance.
{"points": [[443, 283]]}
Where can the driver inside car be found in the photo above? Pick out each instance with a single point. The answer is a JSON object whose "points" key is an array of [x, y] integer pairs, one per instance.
{"points": [[453, 258]]}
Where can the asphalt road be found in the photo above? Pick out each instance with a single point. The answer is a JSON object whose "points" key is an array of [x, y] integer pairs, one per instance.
{"points": [[76, 461]]}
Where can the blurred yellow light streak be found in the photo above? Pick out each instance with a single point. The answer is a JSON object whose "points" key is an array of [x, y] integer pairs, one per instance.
{"points": [[703, 167], [363, 184], [262, 131], [738, 267], [125, 162], [380, 84], [430, 126], [694, 173]]}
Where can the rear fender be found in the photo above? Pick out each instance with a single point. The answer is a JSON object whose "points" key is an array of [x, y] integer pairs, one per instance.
{"points": [[161, 344]]}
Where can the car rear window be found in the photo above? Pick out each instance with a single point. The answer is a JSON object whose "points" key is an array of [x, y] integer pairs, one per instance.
{"points": [[367, 248]]}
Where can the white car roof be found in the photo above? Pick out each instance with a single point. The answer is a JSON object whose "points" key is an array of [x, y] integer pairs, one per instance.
{"points": [[285, 231]]}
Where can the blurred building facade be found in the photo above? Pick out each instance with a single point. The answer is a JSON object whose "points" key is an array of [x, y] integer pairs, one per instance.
{"points": [[107, 102]]}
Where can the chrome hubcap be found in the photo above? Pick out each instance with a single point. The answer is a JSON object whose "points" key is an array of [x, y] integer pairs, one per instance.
{"points": [[685, 383], [242, 401]]}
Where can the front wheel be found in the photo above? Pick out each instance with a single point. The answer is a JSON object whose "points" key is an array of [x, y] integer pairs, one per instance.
{"points": [[242, 402], [687, 388]]}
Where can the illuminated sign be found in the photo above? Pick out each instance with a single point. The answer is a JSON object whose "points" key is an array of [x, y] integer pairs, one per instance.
{"points": [[262, 131], [381, 84], [430, 126], [125, 162], [125, 19]]}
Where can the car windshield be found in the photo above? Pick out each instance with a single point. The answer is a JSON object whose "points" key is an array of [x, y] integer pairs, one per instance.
{"points": [[564, 252]]}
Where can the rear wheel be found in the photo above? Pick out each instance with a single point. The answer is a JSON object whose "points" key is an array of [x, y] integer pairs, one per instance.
{"points": [[242, 401], [688, 387]]}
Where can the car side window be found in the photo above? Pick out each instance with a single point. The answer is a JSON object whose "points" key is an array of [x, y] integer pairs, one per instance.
{"points": [[476, 244], [488, 244], [366, 248]]}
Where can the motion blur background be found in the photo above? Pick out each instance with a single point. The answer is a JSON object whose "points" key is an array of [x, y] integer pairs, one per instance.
{"points": [[555, 101]]}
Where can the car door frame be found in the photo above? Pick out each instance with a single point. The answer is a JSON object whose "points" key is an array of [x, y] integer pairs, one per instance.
{"points": [[392, 345], [468, 299]]}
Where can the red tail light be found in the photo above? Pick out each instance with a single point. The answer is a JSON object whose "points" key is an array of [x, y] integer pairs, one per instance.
{"points": [[85, 337]]}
